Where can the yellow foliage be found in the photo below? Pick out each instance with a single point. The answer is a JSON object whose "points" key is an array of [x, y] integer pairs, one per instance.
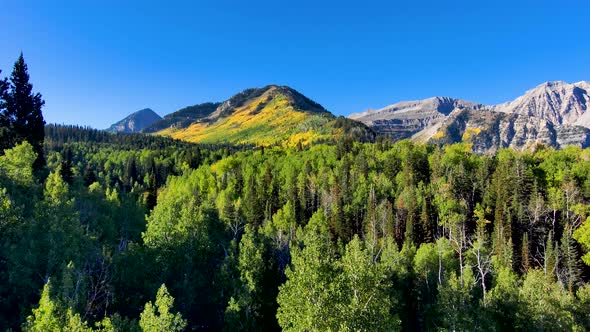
{"points": [[439, 134], [470, 132], [303, 138], [253, 123]]}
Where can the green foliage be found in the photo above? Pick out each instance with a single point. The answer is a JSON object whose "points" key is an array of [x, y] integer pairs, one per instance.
{"points": [[456, 302], [159, 317], [504, 305], [246, 310], [350, 236], [307, 300], [365, 303], [46, 316], [17, 164], [582, 235], [546, 305]]}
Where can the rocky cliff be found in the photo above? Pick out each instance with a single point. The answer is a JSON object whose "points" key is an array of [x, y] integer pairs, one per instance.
{"points": [[553, 114], [404, 119]]}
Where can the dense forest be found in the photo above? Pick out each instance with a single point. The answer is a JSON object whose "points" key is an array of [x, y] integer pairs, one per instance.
{"points": [[110, 232]]}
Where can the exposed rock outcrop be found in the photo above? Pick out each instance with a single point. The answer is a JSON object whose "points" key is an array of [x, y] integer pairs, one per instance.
{"points": [[404, 119], [553, 113]]}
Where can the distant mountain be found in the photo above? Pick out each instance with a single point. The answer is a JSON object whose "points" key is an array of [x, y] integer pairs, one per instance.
{"points": [[553, 114], [268, 116], [135, 122], [183, 118]]}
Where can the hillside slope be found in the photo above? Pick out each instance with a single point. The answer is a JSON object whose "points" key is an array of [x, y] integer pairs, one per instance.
{"points": [[183, 118], [268, 116]]}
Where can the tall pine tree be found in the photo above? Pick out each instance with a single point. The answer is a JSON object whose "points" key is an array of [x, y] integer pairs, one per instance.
{"points": [[4, 125], [21, 114]]}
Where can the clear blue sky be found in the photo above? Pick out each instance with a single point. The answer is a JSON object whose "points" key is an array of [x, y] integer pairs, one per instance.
{"points": [[96, 61]]}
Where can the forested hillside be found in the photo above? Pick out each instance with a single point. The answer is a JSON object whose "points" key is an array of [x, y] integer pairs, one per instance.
{"points": [[110, 232]]}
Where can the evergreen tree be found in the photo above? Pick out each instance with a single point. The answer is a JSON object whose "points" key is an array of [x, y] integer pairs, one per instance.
{"points": [[89, 176], [22, 113], [570, 270], [525, 253], [550, 256], [66, 167], [4, 124]]}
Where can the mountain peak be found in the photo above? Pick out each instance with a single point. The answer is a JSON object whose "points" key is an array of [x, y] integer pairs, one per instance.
{"points": [[145, 111], [558, 102], [551, 84], [135, 122], [263, 96]]}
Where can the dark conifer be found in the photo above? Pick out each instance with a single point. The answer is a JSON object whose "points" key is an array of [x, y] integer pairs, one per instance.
{"points": [[89, 176], [4, 125], [66, 167], [22, 112]]}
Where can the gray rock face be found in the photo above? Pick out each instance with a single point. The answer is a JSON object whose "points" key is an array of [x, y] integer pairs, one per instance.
{"points": [[558, 102], [489, 131], [553, 113], [404, 119], [135, 122]]}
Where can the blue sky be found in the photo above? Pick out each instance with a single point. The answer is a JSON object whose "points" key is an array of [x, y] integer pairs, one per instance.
{"points": [[96, 61]]}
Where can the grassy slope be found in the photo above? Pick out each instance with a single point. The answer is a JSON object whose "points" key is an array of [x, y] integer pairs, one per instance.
{"points": [[262, 121]]}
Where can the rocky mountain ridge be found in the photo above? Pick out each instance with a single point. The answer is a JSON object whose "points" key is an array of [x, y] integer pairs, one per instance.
{"points": [[553, 113], [404, 119]]}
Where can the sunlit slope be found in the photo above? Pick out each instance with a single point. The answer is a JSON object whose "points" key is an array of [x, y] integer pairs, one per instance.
{"points": [[268, 116]]}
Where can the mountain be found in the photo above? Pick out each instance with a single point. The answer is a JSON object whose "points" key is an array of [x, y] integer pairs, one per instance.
{"points": [[183, 117], [404, 119], [135, 122], [268, 116], [558, 102], [553, 114]]}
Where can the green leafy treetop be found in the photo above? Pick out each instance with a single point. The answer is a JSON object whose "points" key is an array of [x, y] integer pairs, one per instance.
{"points": [[582, 235], [45, 318], [159, 318], [16, 163], [49, 316]]}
